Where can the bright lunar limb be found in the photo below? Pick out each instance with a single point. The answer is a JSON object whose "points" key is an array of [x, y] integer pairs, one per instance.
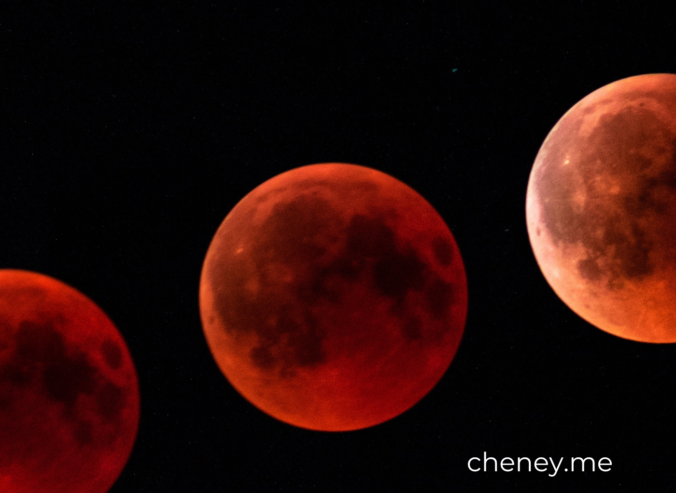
{"points": [[69, 396], [333, 297], [601, 208]]}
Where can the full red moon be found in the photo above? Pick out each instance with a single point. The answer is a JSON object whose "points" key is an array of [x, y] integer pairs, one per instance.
{"points": [[601, 208], [333, 297], [69, 397]]}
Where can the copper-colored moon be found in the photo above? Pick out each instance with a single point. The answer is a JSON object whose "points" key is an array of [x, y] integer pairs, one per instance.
{"points": [[69, 397], [601, 208], [333, 297]]}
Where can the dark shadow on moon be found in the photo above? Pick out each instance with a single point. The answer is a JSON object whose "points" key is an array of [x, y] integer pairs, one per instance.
{"points": [[309, 240], [40, 357], [443, 251], [577, 207], [112, 354]]}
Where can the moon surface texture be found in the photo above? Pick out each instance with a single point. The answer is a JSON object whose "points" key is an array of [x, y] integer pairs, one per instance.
{"points": [[333, 297], [69, 397], [601, 208]]}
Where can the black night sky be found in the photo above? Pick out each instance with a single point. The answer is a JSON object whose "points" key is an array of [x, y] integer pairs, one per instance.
{"points": [[130, 130]]}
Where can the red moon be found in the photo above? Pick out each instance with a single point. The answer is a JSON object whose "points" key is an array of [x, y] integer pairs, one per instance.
{"points": [[333, 297], [69, 397], [601, 208]]}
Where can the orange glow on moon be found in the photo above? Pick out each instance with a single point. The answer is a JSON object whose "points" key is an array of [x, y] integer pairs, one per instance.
{"points": [[601, 208], [69, 397], [333, 297]]}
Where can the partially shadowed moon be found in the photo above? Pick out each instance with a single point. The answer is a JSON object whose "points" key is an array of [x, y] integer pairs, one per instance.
{"points": [[69, 397], [333, 297], [601, 208]]}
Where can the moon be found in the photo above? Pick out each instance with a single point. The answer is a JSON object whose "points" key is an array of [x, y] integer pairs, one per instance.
{"points": [[69, 396], [333, 297], [601, 208]]}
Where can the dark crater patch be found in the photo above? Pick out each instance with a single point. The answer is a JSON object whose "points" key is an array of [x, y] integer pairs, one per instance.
{"points": [[82, 432], [308, 238], [589, 269], [66, 377], [296, 236], [437, 294], [112, 354], [110, 400], [372, 244], [608, 225], [289, 343], [412, 329], [443, 251], [372, 250], [40, 356], [297, 232]]}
